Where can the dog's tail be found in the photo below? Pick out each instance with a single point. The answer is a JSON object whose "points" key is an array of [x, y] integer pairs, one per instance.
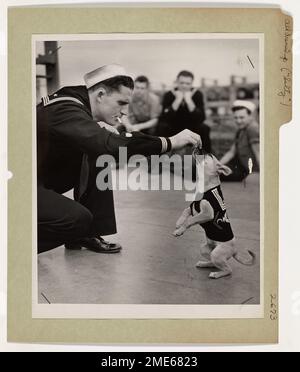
{"points": [[250, 262]]}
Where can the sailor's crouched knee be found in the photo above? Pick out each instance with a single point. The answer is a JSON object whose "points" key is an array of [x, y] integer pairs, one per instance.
{"points": [[81, 222]]}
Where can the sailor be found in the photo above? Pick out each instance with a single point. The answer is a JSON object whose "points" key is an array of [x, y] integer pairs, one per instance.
{"points": [[76, 125]]}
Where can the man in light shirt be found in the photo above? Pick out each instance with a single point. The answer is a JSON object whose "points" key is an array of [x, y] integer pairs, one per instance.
{"points": [[243, 156]]}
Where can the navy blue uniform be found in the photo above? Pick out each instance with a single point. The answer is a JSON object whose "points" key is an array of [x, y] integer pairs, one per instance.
{"points": [[219, 229], [68, 144]]}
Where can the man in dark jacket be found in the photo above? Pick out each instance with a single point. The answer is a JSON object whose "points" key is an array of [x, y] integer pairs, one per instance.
{"points": [[183, 108], [69, 141]]}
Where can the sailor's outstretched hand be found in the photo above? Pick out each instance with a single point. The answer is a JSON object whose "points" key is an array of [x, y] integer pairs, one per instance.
{"points": [[184, 138]]}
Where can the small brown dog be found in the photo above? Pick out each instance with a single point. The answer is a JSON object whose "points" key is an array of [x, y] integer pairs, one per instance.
{"points": [[210, 213]]}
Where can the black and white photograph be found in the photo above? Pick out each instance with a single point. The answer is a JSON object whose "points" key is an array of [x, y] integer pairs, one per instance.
{"points": [[149, 170]]}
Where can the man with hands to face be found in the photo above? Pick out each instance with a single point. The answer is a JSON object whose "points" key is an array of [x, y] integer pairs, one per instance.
{"points": [[183, 108], [184, 92]]}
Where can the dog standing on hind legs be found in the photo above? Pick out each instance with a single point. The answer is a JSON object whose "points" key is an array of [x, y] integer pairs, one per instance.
{"points": [[210, 213]]}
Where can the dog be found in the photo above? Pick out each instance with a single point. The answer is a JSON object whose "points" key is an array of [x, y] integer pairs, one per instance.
{"points": [[209, 211]]}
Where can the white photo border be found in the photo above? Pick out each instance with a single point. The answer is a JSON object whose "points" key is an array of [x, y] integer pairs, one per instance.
{"points": [[136, 311]]}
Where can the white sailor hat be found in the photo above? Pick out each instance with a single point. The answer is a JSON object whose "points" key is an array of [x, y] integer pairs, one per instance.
{"points": [[246, 104], [103, 73]]}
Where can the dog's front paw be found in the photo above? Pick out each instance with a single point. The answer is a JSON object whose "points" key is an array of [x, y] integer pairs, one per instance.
{"points": [[176, 233], [180, 231]]}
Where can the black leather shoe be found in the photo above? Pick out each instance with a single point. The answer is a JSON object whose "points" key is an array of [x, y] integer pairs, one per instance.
{"points": [[98, 245]]}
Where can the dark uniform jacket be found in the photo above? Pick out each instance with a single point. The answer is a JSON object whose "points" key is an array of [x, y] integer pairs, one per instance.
{"points": [[219, 229], [67, 136], [66, 131], [172, 122]]}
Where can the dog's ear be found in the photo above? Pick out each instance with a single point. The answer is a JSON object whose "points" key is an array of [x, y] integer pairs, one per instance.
{"points": [[223, 169]]}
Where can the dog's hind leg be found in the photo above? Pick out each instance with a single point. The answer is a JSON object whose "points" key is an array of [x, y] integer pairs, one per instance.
{"points": [[205, 256], [204, 264], [219, 257]]}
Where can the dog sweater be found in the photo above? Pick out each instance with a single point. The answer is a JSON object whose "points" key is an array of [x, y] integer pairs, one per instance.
{"points": [[219, 229]]}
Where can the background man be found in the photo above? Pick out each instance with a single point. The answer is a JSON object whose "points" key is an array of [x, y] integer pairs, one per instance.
{"points": [[246, 143], [183, 108], [144, 108], [69, 141]]}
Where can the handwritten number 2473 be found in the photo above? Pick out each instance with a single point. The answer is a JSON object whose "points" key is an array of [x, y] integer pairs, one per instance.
{"points": [[273, 310]]}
